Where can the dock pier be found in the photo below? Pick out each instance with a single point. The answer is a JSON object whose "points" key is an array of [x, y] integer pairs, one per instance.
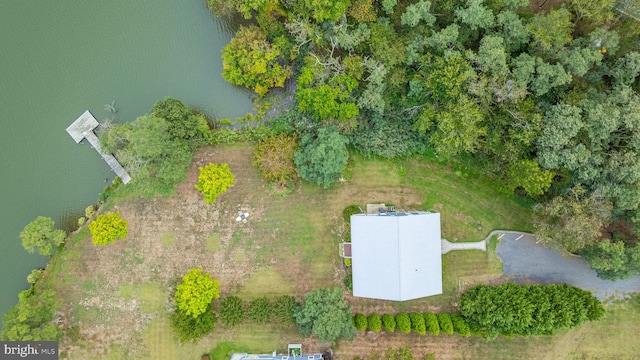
{"points": [[83, 128]]}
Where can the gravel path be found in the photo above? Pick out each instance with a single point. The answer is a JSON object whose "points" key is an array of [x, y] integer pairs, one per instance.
{"points": [[524, 260]]}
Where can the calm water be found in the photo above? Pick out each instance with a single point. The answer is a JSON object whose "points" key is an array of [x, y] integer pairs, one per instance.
{"points": [[59, 58]]}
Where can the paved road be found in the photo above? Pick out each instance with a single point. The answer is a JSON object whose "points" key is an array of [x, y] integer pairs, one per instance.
{"points": [[523, 259]]}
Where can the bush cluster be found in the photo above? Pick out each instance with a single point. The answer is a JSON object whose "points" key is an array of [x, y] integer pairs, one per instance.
{"points": [[420, 323], [234, 311]]}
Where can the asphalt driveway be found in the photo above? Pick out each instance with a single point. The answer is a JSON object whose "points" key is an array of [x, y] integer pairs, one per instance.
{"points": [[524, 260]]}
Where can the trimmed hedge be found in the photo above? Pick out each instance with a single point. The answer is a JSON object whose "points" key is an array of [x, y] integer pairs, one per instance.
{"points": [[417, 323], [460, 326], [389, 322], [431, 323], [374, 322], [360, 322], [403, 322], [444, 320]]}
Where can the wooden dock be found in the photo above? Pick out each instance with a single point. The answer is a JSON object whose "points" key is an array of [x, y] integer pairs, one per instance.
{"points": [[83, 128]]}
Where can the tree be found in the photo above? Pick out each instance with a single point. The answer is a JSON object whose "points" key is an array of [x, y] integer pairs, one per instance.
{"points": [[528, 175], [476, 15], [326, 314], [214, 179], [551, 32], [31, 318], [157, 151], [362, 11], [41, 235], [572, 222], [106, 228], [322, 158], [231, 311], [326, 10], [196, 291], [417, 12], [595, 13], [250, 60], [612, 260], [183, 123], [456, 128], [525, 310], [189, 328], [274, 157]]}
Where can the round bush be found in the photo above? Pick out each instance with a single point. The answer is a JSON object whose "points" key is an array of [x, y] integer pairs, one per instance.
{"points": [[360, 322], [431, 322], [403, 323], [460, 326], [446, 326], [389, 322], [417, 323], [374, 322]]}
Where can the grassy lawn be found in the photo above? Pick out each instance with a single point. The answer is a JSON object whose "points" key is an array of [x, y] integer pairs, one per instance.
{"points": [[290, 246]]}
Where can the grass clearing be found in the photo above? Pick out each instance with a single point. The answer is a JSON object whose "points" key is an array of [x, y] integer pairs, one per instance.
{"points": [[212, 243], [266, 282]]}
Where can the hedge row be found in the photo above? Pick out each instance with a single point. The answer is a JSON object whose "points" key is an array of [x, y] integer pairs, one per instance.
{"points": [[234, 311], [420, 323]]}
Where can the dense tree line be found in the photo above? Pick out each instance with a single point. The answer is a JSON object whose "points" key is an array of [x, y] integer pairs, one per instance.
{"points": [[544, 100], [525, 310]]}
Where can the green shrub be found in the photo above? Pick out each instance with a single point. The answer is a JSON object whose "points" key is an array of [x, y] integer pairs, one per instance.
{"points": [[403, 322], [259, 310], [360, 322], [231, 311], [444, 320], [389, 322], [347, 261], [348, 279], [374, 322], [431, 322], [214, 179], [417, 323], [460, 326], [189, 328], [348, 211], [283, 309]]}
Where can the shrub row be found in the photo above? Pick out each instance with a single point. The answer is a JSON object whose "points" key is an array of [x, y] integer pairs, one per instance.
{"points": [[234, 311], [420, 323]]}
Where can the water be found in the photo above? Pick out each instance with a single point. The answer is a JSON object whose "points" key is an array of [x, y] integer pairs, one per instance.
{"points": [[59, 58]]}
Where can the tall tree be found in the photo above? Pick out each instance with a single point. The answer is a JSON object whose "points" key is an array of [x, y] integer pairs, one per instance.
{"points": [[32, 318], [321, 158], [326, 314], [41, 235], [106, 228], [250, 60], [572, 222], [196, 291]]}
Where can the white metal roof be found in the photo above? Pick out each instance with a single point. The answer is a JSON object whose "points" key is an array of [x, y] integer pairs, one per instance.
{"points": [[396, 256]]}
